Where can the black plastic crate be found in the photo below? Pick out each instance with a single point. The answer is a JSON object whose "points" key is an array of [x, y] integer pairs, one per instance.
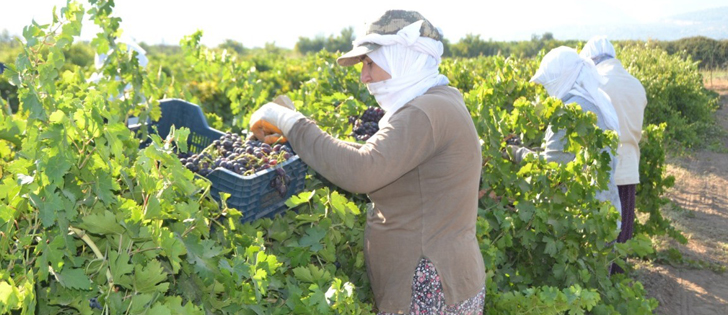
{"points": [[252, 195]]}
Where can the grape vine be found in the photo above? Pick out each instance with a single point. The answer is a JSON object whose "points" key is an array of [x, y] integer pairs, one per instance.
{"points": [[93, 224]]}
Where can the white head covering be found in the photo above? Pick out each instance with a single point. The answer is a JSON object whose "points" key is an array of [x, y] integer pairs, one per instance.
{"points": [[100, 59], [413, 62], [131, 45], [598, 49], [563, 71]]}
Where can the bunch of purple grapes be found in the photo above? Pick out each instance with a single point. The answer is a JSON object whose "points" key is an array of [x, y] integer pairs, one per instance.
{"points": [[94, 303], [280, 182], [366, 124], [513, 139], [243, 157]]}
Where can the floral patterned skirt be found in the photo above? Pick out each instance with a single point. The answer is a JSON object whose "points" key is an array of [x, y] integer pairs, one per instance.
{"points": [[428, 298]]}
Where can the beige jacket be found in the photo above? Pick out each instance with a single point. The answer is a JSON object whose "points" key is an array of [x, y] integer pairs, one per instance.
{"points": [[422, 172], [629, 100]]}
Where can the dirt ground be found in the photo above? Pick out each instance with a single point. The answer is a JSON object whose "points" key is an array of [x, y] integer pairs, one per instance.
{"points": [[698, 285]]}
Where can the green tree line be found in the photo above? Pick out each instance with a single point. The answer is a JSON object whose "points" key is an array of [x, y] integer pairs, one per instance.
{"points": [[709, 53]]}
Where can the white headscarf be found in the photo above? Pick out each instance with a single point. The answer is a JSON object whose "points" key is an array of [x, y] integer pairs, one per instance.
{"points": [[598, 49], [413, 62], [131, 45], [563, 71]]}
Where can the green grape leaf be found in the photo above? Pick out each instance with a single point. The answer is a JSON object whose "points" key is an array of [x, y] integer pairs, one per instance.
{"points": [[313, 238], [55, 168], [75, 279], [48, 204], [104, 186], [32, 104], [299, 256], [147, 279], [120, 266], [550, 246], [181, 136], [104, 223], [301, 198], [303, 274], [201, 254], [174, 304], [140, 303], [9, 296], [159, 309], [115, 134], [173, 248], [317, 300]]}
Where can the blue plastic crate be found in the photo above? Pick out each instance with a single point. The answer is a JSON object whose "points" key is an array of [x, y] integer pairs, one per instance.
{"points": [[255, 197], [252, 195]]}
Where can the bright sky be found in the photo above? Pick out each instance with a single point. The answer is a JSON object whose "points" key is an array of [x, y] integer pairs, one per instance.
{"points": [[255, 23]]}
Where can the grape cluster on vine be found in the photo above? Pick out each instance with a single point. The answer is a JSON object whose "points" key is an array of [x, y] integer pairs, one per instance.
{"points": [[367, 123], [240, 156], [513, 139], [94, 303]]}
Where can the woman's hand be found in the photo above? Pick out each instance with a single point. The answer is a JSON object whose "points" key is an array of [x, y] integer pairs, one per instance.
{"points": [[266, 132], [272, 121], [509, 152]]}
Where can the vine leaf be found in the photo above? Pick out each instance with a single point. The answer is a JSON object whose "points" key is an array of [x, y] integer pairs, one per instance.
{"points": [[200, 255], [303, 274], [173, 248], [299, 199], [49, 204], [56, 167], [102, 223], [104, 187], [33, 105], [147, 279], [120, 267], [75, 279], [313, 238]]}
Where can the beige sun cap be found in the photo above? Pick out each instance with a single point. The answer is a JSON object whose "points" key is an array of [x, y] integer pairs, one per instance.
{"points": [[354, 56], [389, 24]]}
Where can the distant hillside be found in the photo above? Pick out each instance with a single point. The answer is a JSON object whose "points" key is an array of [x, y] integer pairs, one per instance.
{"points": [[712, 23]]}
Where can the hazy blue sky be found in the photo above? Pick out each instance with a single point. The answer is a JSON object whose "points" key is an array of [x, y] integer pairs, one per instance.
{"points": [[282, 22]]}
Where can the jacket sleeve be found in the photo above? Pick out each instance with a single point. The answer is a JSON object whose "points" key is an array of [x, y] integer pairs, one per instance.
{"points": [[394, 150], [553, 149]]}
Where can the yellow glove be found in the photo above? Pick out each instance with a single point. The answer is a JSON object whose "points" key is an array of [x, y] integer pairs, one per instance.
{"points": [[266, 132], [272, 121]]}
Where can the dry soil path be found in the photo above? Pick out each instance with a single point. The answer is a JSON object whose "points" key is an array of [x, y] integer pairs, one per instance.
{"points": [[700, 210]]}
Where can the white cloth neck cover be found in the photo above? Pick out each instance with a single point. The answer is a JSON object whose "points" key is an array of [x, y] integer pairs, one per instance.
{"points": [[413, 62], [563, 72]]}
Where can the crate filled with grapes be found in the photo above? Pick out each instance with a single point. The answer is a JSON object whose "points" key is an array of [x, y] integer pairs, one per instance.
{"points": [[259, 177]]}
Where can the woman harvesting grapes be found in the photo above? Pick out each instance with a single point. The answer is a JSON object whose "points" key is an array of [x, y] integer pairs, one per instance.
{"points": [[421, 170], [574, 79]]}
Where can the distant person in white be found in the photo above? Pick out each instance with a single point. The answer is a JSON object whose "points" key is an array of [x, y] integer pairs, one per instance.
{"points": [[629, 100], [131, 45], [574, 79]]}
